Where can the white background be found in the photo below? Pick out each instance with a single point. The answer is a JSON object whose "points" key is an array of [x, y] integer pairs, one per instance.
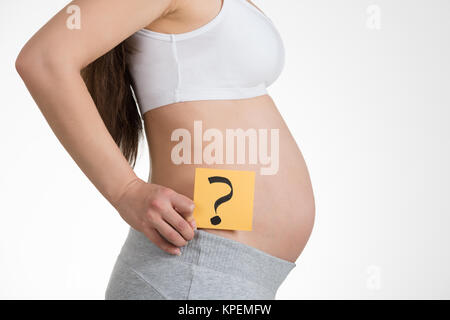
{"points": [[369, 108]]}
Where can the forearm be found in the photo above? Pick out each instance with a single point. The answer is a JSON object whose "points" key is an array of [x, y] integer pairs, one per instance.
{"points": [[62, 97]]}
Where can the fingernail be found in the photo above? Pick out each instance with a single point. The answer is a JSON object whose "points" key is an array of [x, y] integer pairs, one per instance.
{"points": [[178, 252], [192, 207], [193, 224]]}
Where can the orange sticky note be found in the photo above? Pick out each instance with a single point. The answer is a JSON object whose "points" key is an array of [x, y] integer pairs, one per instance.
{"points": [[224, 198]]}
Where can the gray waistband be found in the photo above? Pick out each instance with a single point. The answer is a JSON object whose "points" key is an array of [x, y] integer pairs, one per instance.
{"points": [[221, 254]]}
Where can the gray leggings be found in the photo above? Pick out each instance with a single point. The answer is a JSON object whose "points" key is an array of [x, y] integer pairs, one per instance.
{"points": [[209, 267]]}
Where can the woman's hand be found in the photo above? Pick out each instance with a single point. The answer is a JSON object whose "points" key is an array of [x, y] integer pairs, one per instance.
{"points": [[158, 212]]}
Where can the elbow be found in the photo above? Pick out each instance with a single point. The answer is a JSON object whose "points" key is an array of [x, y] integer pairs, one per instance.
{"points": [[23, 63], [32, 64], [29, 64]]}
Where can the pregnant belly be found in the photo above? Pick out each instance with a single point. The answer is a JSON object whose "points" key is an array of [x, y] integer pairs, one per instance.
{"points": [[283, 202]]}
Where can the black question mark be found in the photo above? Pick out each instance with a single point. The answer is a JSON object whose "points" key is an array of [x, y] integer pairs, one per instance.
{"points": [[216, 219]]}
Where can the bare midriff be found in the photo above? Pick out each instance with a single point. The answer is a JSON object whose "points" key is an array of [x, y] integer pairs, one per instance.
{"points": [[283, 204]]}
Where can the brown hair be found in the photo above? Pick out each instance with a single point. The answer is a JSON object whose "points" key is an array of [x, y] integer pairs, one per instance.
{"points": [[110, 85]]}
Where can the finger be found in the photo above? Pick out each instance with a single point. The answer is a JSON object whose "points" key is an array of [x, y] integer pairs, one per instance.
{"points": [[169, 233], [183, 205], [179, 224], [160, 242]]}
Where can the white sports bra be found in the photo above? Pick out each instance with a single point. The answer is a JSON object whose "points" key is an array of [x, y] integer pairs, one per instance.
{"points": [[236, 55]]}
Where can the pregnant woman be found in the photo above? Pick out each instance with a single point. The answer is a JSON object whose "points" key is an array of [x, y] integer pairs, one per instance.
{"points": [[188, 66]]}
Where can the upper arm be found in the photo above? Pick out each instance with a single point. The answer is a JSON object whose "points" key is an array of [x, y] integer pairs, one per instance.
{"points": [[103, 25]]}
